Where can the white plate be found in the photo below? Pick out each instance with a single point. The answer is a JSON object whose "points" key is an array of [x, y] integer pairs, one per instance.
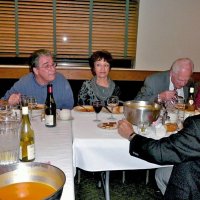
{"points": [[85, 109], [109, 125], [39, 107]]}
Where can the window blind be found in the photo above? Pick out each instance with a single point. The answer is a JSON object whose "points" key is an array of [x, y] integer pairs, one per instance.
{"points": [[71, 29], [7, 28]]}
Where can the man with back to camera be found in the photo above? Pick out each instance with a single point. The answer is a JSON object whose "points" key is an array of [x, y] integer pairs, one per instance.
{"points": [[166, 86], [43, 71], [181, 150]]}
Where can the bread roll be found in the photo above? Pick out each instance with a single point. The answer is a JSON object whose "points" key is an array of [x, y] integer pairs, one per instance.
{"points": [[118, 109]]}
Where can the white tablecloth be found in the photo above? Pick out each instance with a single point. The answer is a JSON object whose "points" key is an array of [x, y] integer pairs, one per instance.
{"points": [[96, 149], [54, 145]]}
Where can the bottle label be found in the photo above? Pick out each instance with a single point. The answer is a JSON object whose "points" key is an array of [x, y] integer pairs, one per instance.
{"points": [[49, 120], [25, 110], [191, 101], [191, 90], [50, 89], [31, 151]]}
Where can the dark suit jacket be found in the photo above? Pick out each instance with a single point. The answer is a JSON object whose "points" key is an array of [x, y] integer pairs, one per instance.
{"points": [[182, 150], [154, 85], [184, 182]]}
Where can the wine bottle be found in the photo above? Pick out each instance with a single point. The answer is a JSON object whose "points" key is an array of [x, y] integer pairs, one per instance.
{"points": [[27, 141], [50, 108], [190, 103]]}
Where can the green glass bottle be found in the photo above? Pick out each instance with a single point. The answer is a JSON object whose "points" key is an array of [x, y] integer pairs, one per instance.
{"points": [[27, 140]]}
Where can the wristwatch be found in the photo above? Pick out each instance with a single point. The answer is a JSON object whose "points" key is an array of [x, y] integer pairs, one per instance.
{"points": [[131, 136]]}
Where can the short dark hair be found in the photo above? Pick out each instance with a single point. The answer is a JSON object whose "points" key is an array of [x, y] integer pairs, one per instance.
{"points": [[99, 55], [34, 58]]}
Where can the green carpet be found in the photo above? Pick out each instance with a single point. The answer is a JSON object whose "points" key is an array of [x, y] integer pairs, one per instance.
{"points": [[134, 187]]}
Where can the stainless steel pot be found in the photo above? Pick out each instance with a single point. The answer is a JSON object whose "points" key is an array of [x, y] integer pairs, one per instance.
{"points": [[135, 111], [34, 172]]}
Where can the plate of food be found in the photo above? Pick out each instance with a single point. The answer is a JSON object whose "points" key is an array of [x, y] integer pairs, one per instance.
{"points": [[108, 125], [116, 110], [38, 107], [171, 127], [85, 108]]}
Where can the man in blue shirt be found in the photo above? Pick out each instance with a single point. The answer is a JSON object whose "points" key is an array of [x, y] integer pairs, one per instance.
{"points": [[34, 84]]}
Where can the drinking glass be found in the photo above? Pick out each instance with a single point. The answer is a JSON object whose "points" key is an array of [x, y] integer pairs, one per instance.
{"points": [[180, 105], [23, 100], [97, 105], [5, 110], [142, 127], [112, 102], [31, 104], [9, 140]]}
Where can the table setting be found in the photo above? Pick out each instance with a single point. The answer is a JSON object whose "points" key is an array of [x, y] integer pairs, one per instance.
{"points": [[53, 150], [97, 146]]}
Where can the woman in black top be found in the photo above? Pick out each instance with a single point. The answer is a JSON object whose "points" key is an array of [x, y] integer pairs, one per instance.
{"points": [[100, 87]]}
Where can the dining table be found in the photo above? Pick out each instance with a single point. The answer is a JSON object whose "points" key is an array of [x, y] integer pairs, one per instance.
{"points": [[100, 149], [54, 146]]}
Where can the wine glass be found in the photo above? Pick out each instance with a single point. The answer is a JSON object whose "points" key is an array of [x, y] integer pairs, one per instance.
{"points": [[97, 105], [23, 100], [31, 104], [112, 102]]}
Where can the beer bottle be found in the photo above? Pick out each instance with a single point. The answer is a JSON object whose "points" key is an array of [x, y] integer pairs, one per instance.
{"points": [[190, 103]]}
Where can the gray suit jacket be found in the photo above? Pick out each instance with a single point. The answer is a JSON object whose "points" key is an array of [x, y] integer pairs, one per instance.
{"points": [[182, 150], [154, 85]]}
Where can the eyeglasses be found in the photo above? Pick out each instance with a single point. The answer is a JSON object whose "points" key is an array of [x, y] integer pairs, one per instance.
{"points": [[48, 66]]}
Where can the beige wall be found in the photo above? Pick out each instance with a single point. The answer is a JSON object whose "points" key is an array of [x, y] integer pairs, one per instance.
{"points": [[168, 29]]}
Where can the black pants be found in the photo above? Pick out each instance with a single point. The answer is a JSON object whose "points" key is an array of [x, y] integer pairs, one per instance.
{"points": [[184, 182]]}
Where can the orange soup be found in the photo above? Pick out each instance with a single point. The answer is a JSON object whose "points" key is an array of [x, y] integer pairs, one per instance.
{"points": [[26, 191]]}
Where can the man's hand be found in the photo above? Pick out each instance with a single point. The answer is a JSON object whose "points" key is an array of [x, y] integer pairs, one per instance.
{"points": [[14, 99], [168, 95], [125, 129]]}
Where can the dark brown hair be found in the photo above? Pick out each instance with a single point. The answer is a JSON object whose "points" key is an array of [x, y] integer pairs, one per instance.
{"points": [[34, 58], [99, 55]]}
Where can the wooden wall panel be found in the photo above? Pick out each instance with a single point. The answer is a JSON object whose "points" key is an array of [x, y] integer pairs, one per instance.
{"points": [[85, 73]]}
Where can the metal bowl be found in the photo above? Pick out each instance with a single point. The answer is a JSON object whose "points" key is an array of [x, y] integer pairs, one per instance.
{"points": [[34, 172], [143, 111]]}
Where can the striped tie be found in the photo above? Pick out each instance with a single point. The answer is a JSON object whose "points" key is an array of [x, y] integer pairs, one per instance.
{"points": [[176, 95]]}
